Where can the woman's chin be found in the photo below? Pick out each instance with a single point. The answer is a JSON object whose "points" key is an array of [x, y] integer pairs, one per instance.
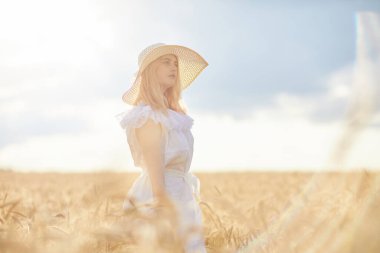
{"points": [[170, 84]]}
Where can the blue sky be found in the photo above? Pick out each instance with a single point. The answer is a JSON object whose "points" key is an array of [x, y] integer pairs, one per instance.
{"points": [[274, 67]]}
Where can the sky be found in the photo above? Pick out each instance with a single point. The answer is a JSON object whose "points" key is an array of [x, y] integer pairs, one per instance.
{"points": [[281, 79]]}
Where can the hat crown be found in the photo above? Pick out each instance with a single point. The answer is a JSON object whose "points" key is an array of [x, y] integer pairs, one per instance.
{"points": [[147, 50]]}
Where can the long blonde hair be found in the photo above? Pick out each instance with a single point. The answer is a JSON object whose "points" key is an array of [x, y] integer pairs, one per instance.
{"points": [[151, 93]]}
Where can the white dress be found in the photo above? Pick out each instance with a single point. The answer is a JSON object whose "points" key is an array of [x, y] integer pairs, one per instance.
{"points": [[181, 185]]}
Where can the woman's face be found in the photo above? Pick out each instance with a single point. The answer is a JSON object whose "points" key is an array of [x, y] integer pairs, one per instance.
{"points": [[167, 71]]}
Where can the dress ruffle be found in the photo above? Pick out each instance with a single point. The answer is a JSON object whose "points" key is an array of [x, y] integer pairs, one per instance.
{"points": [[138, 115]]}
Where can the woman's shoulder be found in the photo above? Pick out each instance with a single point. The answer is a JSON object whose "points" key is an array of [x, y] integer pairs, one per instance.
{"points": [[139, 114]]}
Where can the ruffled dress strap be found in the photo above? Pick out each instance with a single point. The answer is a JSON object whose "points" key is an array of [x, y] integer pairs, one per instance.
{"points": [[136, 117]]}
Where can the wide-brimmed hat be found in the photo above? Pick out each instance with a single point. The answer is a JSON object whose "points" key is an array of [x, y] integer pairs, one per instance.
{"points": [[190, 65]]}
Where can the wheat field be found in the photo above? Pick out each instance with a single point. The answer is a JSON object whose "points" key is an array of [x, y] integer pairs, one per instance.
{"points": [[242, 212]]}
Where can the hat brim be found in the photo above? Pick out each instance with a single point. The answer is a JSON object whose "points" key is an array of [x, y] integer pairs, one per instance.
{"points": [[190, 65]]}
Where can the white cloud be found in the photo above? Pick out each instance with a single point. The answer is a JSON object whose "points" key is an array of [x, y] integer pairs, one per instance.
{"points": [[101, 146], [279, 137], [286, 135]]}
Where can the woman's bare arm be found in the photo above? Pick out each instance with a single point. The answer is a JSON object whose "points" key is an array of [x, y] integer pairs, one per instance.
{"points": [[150, 137]]}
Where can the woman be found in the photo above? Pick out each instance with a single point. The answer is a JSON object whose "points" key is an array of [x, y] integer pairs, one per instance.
{"points": [[159, 136]]}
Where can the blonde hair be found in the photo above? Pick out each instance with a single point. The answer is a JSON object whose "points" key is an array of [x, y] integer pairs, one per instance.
{"points": [[151, 93]]}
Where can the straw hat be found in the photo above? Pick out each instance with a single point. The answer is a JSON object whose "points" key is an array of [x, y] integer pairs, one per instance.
{"points": [[190, 65]]}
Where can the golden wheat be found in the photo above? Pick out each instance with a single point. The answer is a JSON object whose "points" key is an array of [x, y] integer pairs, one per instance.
{"points": [[242, 212]]}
